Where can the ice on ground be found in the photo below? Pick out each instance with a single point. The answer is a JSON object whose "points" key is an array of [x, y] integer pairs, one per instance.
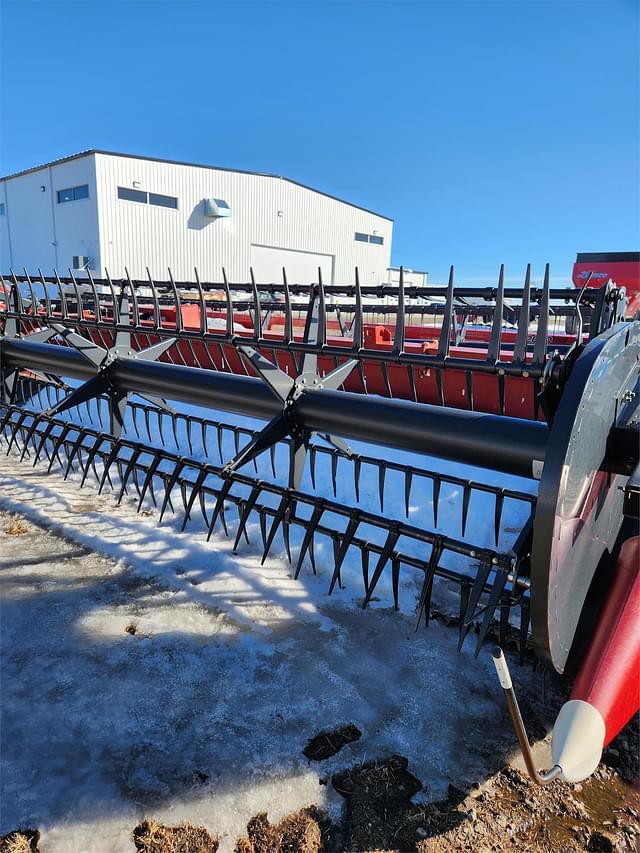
{"points": [[147, 672]]}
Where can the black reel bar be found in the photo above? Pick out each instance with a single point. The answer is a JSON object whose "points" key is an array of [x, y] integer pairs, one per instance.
{"points": [[298, 406]]}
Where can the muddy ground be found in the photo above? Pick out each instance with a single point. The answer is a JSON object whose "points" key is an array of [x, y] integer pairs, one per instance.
{"points": [[386, 808]]}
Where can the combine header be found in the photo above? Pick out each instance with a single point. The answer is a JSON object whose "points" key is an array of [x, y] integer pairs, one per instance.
{"points": [[485, 378]]}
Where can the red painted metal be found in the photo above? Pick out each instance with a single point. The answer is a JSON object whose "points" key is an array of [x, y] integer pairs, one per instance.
{"points": [[609, 678], [620, 267]]}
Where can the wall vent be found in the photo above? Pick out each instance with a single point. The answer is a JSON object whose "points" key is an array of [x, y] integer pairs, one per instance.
{"points": [[216, 207]]}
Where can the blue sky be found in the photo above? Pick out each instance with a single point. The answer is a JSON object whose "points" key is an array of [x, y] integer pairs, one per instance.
{"points": [[490, 132]]}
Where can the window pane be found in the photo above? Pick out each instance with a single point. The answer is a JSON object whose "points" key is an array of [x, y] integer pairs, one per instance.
{"points": [[221, 203], [377, 240], [132, 195], [65, 195], [1, 209], [163, 200], [81, 192], [362, 238]]}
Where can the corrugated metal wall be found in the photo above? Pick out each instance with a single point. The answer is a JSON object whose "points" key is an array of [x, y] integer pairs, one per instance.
{"points": [[265, 211], [37, 231]]}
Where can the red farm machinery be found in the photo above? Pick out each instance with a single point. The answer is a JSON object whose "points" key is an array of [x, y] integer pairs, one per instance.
{"points": [[505, 402]]}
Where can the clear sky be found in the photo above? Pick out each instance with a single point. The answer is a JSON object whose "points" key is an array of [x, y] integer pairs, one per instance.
{"points": [[490, 131]]}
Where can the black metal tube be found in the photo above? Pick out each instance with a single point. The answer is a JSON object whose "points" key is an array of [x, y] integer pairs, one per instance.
{"points": [[510, 445]]}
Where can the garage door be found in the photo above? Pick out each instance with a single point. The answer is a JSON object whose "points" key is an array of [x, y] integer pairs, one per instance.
{"points": [[301, 267]]}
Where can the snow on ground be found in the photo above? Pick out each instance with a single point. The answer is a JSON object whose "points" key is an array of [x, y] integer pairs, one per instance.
{"points": [[203, 713]]}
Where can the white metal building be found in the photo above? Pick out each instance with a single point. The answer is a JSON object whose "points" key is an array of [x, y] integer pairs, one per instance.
{"points": [[106, 211]]}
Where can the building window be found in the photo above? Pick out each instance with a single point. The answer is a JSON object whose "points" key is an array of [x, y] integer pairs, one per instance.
{"points": [[127, 194], [163, 200], [369, 238], [2, 210], [82, 262], [73, 193]]}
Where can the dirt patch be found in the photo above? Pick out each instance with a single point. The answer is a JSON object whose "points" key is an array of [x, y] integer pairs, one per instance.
{"points": [[153, 837], [328, 743], [510, 813], [16, 527], [301, 832], [20, 841], [379, 812]]}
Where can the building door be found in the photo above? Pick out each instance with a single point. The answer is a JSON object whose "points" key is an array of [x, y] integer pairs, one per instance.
{"points": [[301, 267]]}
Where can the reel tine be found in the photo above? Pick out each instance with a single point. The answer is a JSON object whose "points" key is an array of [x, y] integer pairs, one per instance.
{"points": [[495, 340], [146, 483], [229, 303], [398, 335], [494, 597], [29, 437], [382, 472], [520, 348], [263, 526], [168, 488], [14, 436], [347, 538], [357, 467], [43, 438], [201, 304], [387, 549], [188, 425], [272, 457], [437, 483], [90, 461], [57, 444], [497, 518], [358, 322], [288, 313], [174, 427], [246, 509], [364, 560], [286, 529], [463, 630], [310, 529], [424, 603], [219, 437], [408, 478], [279, 516], [321, 338], [395, 581], [334, 471], [477, 589], [466, 497], [447, 318], [74, 450], [195, 491], [107, 464], [257, 312], [239, 507], [540, 346], [203, 438], [219, 508], [135, 453], [312, 464]]}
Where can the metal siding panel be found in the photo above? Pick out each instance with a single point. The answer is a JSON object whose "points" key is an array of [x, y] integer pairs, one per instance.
{"points": [[138, 235], [45, 234]]}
